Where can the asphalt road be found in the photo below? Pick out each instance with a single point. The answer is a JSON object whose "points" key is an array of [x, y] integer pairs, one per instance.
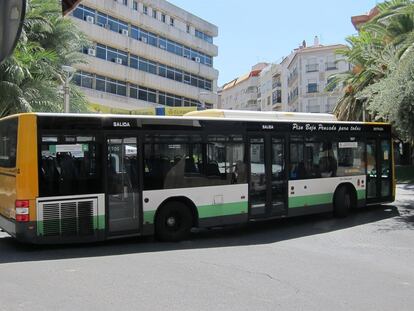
{"points": [[363, 262]]}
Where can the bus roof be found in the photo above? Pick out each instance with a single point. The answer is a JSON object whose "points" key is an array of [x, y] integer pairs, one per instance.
{"points": [[217, 115], [263, 115]]}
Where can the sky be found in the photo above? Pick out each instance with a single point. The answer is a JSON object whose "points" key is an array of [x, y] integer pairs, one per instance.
{"points": [[267, 30]]}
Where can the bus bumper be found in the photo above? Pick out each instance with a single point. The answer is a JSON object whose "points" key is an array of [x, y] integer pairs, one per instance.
{"points": [[25, 232]]}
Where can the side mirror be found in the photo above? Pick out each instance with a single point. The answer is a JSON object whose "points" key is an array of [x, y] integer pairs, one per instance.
{"points": [[12, 14]]}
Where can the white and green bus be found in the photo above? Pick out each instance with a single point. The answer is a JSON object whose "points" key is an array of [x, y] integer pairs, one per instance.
{"points": [[79, 178]]}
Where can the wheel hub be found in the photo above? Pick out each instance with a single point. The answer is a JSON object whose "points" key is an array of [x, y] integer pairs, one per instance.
{"points": [[171, 221]]}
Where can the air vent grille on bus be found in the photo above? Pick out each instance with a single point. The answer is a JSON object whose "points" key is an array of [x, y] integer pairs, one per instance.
{"points": [[67, 218]]}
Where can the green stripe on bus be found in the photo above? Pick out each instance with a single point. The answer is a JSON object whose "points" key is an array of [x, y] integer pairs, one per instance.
{"points": [[318, 199], [222, 209], [149, 217], [306, 200], [361, 194], [207, 211]]}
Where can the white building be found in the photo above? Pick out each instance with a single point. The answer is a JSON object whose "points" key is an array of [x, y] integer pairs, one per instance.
{"points": [[298, 83], [271, 86], [146, 54], [242, 92], [309, 70]]}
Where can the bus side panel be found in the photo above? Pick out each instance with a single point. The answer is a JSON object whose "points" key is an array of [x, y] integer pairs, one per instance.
{"points": [[316, 195], [216, 205], [27, 163]]}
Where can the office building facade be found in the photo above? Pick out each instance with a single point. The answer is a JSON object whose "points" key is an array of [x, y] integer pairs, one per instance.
{"points": [[145, 54]]}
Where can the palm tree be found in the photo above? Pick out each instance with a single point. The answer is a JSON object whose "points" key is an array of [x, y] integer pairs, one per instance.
{"points": [[372, 52], [31, 79]]}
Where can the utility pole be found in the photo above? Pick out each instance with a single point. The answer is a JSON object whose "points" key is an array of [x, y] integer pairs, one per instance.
{"points": [[69, 73]]}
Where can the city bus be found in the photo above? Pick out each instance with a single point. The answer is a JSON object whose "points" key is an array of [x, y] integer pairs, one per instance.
{"points": [[70, 178]]}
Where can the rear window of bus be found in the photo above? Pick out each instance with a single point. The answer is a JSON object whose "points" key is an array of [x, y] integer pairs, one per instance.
{"points": [[8, 142]]}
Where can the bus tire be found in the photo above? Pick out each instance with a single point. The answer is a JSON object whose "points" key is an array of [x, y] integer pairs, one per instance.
{"points": [[173, 222], [342, 202]]}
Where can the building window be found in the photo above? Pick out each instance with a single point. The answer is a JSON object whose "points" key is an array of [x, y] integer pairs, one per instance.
{"points": [[171, 21], [203, 36], [154, 13], [277, 97], [163, 17], [312, 86], [125, 2], [313, 106], [331, 104], [145, 10], [331, 63], [119, 26], [312, 67], [188, 28], [135, 6]]}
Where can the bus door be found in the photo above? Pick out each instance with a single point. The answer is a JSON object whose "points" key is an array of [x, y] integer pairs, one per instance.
{"points": [[267, 180], [122, 184], [379, 169]]}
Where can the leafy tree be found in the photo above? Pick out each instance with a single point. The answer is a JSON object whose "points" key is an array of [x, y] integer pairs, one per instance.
{"points": [[31, 80], [392, 98]]}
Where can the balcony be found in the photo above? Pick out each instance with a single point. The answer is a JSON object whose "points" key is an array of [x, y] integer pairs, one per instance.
{"points": [[331, 66], [312, 67]]}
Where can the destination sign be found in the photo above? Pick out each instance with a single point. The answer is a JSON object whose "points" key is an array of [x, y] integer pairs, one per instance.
{"points": [[121, 123], [323, 127]]}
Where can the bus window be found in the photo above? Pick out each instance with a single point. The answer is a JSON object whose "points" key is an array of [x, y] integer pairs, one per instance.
{"points": [[297, 165], [8, 142], [182, 161], [351, 158], [225, 159], [69, 165], [328, 164], [172, 161]]}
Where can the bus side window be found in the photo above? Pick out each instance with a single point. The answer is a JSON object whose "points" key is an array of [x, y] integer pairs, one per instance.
{"points": [[297, 166]]}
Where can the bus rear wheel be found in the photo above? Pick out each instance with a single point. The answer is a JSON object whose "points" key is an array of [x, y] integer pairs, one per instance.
{"points": [[173, 222], [342, 202]]}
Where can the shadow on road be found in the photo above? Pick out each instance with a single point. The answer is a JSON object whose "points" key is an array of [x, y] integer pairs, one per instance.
{"points": [[252, 234]]}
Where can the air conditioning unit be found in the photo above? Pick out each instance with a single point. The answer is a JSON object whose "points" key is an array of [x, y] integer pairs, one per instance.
{"points": [[143, 39], [118, 60], [124, 32], [197, 59], [90, 19], [91, 52]]}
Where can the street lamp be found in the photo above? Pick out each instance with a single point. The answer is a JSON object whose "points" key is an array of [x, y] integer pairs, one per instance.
{"points": [[69, 73]]}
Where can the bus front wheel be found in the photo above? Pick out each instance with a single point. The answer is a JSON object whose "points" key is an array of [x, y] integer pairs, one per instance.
{"points": [[342, 202], [173, 222]]}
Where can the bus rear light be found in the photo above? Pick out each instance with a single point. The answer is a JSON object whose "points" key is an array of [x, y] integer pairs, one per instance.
{"points": [[22, 210], [22, 203]]}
